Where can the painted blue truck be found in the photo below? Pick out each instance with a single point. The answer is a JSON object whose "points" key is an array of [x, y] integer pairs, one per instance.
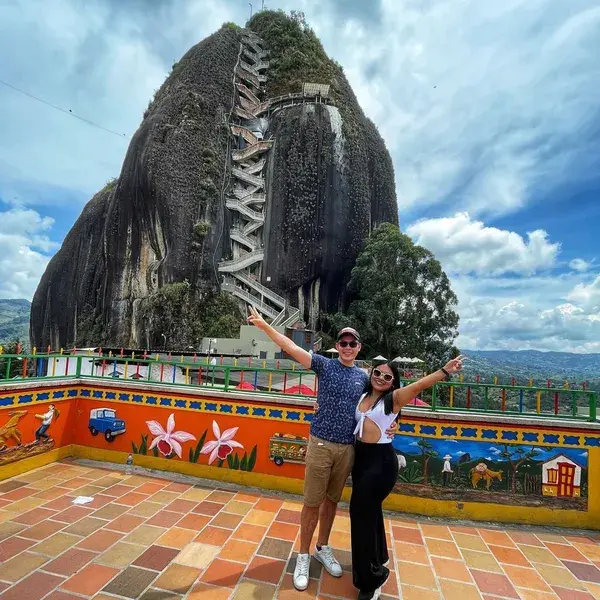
{"points": [[103, 420]]}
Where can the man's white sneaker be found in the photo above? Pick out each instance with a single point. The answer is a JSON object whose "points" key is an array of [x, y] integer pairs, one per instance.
{"points": [[327, 559], [301, 572]]}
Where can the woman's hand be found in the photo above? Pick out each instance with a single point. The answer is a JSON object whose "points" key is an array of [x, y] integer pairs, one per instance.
{"points": [[391, 432], [455, 365], [254, 318]]}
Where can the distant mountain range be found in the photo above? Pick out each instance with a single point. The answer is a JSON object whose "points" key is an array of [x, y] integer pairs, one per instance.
{"points": [[523, 364], [14, 321]]}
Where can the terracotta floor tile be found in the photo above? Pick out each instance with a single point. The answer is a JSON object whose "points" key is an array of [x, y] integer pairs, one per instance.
{"points": [[131, 582], [149, 488], [120, 555], [90, 579], [283, 531], [340, 523], [164, 518], [197, 555], [19, 493], [99, 541], [177, 578], [453, 590], [25, 505], [145, 509], [223, 573], [525, 578], [590, 551], [254, 590], [238, 508], [13, 546], [510, 556], [441, 532], [56, 544], [483, 561], [156, 558], [131, 499], [13, 484], [253, 498], [238, 550], [265, 569], [195, 494], [404, 534], [10, 528], [451, 569], [110, 511], [293, 516], [181, 506], [593, 588], [85, 526], [390, 587], [411, 553], [73, 484], [34, 516], [540, 555], [251, 533], [494, 583], [412, 593], [419, 575], [259, 517], [34, 587], [525, 538], [125, 523], [274, 548], [442, 548], [470, 542], [583, 572], [213, 535], [207, 508], [338, 586], [268, 504], [226, 520], [220, 496], [535, 595], [566, 594], [340, 539], [202, 591], [558, 576], [70, 562], [497, 538], [20, 565], [163, 497], [194, 522], [176, 538], [551, 537], [177, 488], [71, 515], [60, 595], [42, 530], [144, 535], [116, 491], [566, 552]]}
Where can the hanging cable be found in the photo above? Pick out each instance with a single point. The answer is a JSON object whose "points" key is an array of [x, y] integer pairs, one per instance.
{"points": [[68, 112]]}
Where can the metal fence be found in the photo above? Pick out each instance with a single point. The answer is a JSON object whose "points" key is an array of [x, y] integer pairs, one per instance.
{"points": [[260, 378]]}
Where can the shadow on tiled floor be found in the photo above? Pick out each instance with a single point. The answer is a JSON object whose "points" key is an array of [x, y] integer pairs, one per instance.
{"points": [[155, 539]]}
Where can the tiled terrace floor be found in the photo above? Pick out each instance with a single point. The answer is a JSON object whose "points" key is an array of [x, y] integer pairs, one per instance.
{"points": [[154, 539]]}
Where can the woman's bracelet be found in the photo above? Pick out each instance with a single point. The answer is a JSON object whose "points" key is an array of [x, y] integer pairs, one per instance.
{"points": [[446, 374]]}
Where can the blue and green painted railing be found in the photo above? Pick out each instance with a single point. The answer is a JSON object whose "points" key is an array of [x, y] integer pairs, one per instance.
{"points": [[458, 395]]}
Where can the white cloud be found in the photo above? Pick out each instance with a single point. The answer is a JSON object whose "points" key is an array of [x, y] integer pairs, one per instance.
{"points": [[464, 246], [578, 264], [24, 243]]}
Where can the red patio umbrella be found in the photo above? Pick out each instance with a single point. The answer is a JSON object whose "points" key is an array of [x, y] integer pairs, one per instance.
{"points": [[245, 385], [300, 389], [417, 402]]}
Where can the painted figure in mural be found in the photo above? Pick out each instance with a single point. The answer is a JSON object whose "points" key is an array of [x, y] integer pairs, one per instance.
{"points": [[9, 429], [46, 419], [330, 450], [375, 469], [481, 472], [447, 470]]}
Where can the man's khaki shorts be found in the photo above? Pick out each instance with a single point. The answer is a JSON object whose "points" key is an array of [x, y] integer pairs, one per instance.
{"points": [[328, 466]]}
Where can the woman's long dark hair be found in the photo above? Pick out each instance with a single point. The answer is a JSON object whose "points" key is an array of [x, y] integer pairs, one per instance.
{"points": [[387, 397]]}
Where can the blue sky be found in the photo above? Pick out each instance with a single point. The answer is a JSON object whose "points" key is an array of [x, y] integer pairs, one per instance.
{"points": [[490, 111]]}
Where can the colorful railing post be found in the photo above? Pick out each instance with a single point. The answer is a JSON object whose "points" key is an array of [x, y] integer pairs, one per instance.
{"points": [[521, 400], [538, 402], [486, 398], [434, 398], [227, 376], [78, 360], [451, 402], [592, 406]]}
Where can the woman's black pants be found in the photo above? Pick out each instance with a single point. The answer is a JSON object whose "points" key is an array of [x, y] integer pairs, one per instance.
{"points": [[373, 477]]}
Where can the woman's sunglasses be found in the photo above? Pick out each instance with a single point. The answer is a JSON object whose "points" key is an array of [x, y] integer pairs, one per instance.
{"points": [[346, 344], [381, 375]]}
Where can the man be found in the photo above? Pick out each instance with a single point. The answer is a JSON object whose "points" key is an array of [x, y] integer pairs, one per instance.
{"points": [[330, 452], [46, 419]]}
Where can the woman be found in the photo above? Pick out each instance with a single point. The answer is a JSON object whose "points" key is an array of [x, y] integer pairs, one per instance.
{"points": [[375, 469]]}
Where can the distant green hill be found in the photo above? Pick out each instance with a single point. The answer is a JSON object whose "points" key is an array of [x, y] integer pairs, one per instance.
{"points": [[14, 320]]}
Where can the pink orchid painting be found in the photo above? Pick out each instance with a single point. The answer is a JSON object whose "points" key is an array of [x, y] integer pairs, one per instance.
{"points": [[223, 446], [168, 441]]}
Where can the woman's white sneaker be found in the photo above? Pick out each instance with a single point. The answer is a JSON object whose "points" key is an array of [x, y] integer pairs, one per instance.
{"points": [[301, 571], [327, 559]]}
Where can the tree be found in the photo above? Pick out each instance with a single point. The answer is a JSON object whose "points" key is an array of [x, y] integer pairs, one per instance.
{"points": [[427, 452], [402, 302], [516, 457], [16, 365]]}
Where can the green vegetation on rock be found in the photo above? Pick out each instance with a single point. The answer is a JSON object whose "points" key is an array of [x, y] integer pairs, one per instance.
{"points": [[402, 300], [14, 320]]}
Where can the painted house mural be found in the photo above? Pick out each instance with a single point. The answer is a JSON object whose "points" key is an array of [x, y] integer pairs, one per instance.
{"points": [[488, 472]]}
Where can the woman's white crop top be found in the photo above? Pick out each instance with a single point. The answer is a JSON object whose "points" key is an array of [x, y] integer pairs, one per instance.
{"points": [[378, 416]]}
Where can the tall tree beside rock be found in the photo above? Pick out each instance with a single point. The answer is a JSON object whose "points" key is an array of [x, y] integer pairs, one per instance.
{"points": [[403, 303]]}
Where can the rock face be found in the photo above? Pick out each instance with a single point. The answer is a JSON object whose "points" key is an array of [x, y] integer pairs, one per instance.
{"points": [[328, 181]]}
